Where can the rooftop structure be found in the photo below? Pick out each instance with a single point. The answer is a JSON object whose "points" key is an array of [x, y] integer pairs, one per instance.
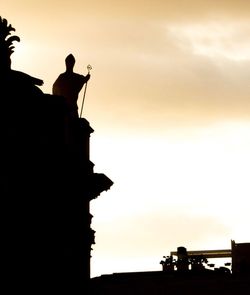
{"points": [[186, 274]]}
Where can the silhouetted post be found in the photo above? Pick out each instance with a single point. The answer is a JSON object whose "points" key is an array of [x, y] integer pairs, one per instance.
{"points": [[182, 262]]}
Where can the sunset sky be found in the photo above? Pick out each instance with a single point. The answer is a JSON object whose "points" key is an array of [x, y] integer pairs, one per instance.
{"points": [[169, 100]]}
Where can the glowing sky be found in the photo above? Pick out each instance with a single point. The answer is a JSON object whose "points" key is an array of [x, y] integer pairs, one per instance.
{"points": [[169, 99]]}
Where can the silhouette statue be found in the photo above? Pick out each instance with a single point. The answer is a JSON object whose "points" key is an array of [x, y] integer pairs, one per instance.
{"points": [[69, 84]]}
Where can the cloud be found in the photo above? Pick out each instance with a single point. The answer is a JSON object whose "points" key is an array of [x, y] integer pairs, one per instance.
{"points": [[162, 9], [163, 77]]}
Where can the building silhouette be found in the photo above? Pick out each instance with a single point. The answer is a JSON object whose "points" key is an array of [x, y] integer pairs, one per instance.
{"points": [[48, 182]]}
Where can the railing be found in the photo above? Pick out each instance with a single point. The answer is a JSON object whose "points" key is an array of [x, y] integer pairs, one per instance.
{"points": [[208, 253]]}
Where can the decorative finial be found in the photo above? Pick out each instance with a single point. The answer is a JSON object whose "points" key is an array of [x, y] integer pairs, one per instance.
{"points": [[6, 43], [89, 68]]}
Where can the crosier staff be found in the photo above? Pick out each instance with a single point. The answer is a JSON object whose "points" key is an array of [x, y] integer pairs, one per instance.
{"points": [[89, 68]]}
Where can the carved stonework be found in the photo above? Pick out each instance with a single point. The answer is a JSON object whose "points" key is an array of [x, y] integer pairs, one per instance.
{"points": [[6, 43]]}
